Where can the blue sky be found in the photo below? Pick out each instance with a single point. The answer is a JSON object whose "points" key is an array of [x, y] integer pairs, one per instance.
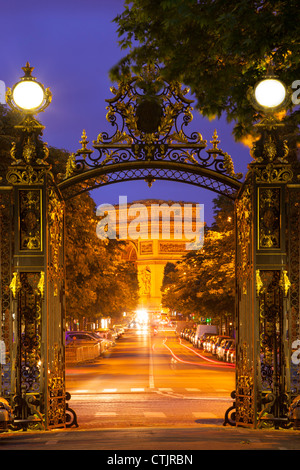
{"points": [[73, 44]]}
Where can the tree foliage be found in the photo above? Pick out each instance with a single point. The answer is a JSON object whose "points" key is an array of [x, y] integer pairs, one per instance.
{"points": [[99, 282], [217, 48], [202, 283]]}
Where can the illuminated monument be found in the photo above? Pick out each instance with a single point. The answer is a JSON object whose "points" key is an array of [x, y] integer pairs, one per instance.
{"points": [[158, 232]]}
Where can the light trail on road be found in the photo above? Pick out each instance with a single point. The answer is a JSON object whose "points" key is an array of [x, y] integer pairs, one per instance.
{"points": [[197, 354]]}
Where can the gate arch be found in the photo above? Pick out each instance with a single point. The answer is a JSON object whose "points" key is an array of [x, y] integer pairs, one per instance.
{"points": [[137, 150]]}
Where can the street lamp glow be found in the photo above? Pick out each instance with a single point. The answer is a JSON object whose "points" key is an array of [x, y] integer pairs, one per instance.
{"points": [[28, 95], [270, 93], [142, 316]]}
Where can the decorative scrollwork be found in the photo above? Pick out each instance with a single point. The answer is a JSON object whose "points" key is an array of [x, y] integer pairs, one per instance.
{"points": [[56, 216], [149, 117], [122, 173], [15, 284]]}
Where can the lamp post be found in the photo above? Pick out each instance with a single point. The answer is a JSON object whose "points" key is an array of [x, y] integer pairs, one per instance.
{"points": [[263, 267], [37, 363], [270, 95], [28, 95]]}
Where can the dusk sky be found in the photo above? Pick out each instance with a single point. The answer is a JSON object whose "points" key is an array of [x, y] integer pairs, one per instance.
{"points": [[73, 44]]}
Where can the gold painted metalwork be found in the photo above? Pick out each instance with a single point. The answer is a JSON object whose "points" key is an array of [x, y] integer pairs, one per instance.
{"points": [[269, 222], [42, 161], [28, 176], [70, 166], [270, 330], [56, 216], [41, 285], [244, 233], [259, 283], [245, 414], [84, 150], [30, 315], [273, 174], [29, 151], [284, 282], [28, 122], [149, 117], [56, 390], [15, 285], [30, 219]]}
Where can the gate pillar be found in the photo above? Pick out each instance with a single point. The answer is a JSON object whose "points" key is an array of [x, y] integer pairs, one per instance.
{"points": [[267, 271], [37, 368]]}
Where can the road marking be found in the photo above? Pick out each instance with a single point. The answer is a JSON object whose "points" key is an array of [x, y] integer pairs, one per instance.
{"points": [[151, 373], [137, 389], [193, 389], [204, 414], [154, 414], [109, 390], [105, 413], [166, 389]]}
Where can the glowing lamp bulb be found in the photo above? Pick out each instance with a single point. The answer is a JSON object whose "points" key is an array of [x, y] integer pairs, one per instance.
{"points": [[270, 93], [28, 95]]}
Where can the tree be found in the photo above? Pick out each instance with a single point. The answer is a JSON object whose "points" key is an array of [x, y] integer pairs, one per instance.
{"points": [[217, 48], [98, 281], [202, 283]]}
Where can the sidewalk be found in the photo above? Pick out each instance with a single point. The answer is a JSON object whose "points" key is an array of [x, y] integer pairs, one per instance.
{"points": [[153, 439]]}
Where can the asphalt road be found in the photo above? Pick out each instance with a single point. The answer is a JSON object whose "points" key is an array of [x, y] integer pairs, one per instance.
{"points": [[151, 381], [149, 399]]}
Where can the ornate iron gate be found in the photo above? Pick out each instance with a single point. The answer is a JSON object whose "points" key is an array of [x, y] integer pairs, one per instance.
{"points": [[32, 282], [37, 288], [267, 266], [32, 247]]}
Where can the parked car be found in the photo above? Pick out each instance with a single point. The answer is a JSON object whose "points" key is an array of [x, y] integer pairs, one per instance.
{"points": [[217, 343], [107, 334], [230, 355], [208, 340], [119, 329], [81, 337], [203, 338], [182, 333], [186, 333], [224, 346], [209, 344], [192, 335]]}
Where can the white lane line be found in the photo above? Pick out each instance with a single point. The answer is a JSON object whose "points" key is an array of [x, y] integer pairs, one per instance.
{"points": [[193, 389], [109, 390], [165, 389], [137, 389]]}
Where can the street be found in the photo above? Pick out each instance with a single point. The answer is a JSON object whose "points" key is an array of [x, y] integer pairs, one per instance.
{"points": [[151, 394], [150, 380]]}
